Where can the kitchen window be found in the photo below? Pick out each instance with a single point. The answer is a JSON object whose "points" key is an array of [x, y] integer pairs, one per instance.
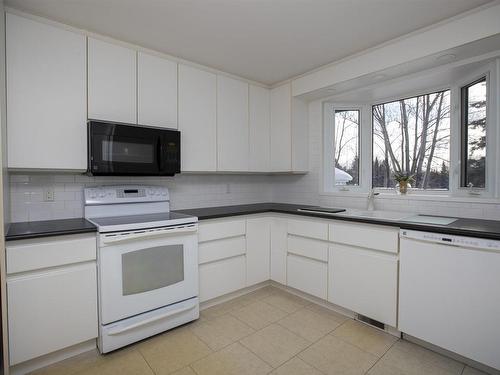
{"points": [[474, 107], [412, 136], [446, 137], [343, 148]]}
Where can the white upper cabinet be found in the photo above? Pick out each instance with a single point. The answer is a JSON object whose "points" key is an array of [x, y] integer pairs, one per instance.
{"points": [[197, 119], [259, 129], [46, 96], [289, 131], [232, 124], [112, 82], [281, 131], [156, 91]]}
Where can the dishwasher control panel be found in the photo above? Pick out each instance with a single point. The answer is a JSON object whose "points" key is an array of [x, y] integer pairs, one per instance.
{"points": [[446, 239]]}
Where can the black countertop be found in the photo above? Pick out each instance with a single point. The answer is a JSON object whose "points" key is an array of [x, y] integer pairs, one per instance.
{"points": [[489, 229], [36, 229]]}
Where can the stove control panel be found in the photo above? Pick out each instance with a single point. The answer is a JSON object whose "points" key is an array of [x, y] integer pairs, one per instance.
{"points": [[125, 194]]}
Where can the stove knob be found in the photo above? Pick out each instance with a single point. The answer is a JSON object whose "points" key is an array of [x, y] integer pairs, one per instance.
{"points": [[92, 194], [102, 194], [164, 193]]}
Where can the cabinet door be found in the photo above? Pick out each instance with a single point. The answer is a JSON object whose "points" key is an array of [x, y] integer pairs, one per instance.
{"points": [[364, 281], [112, 82], [307, 275], [278, 250], [258, 250], [46, 96], [232, 124], [197, 119], [51, 310], [281, 132], [156, 91], [221, 277], [259, 129]]}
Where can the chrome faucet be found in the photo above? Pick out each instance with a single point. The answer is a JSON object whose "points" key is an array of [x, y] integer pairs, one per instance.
{"points": [[371, 200]]}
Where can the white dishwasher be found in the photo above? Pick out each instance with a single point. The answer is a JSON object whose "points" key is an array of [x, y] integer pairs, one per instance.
{"points": [[449, 293]]}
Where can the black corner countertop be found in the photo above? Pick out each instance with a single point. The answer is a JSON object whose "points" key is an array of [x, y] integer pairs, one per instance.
{"points": [[489, 229], [38, 229]]}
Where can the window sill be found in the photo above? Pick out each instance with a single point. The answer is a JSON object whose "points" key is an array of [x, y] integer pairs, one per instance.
{"points": [[442, 197]]}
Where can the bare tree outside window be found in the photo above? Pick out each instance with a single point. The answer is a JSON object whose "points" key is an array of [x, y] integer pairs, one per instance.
{"points": [[412, 136], [474, 114], [347, 147]]}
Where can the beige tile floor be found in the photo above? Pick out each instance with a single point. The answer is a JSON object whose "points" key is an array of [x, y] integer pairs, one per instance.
{"points": [[268, 331]]}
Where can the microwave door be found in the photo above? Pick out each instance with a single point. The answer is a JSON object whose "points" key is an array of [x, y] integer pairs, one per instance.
{"points": [[125, 151]]}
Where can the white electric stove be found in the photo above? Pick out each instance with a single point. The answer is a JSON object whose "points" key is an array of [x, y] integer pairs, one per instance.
{"points": [[147, 263]]}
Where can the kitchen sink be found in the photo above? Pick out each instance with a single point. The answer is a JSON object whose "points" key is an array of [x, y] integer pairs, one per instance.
{"points": [[377, 214]]}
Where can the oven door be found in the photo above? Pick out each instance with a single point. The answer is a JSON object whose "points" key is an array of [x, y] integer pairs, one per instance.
{"points": [[144, 270], [130, 150]]}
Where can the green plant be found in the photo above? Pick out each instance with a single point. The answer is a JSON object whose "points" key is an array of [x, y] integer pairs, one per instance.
{"points": [[404, 177]]}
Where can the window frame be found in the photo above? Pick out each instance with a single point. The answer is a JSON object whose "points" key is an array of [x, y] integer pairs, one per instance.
{"points": [[490, 69], [328, 175], [415, 191], [492, 182], [464, 131]]}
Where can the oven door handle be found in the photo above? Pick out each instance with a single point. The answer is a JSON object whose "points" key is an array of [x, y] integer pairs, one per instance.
{"points": [[109, 239], [120, 330]]}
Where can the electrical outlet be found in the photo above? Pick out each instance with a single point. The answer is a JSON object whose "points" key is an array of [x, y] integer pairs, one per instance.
{"points": [[48, 195]]}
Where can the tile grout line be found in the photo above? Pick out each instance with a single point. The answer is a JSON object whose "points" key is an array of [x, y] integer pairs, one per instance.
{"points": [[382, 356], [145, 360]]}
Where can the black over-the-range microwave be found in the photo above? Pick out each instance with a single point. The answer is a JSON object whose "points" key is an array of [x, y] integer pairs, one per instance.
{"points": [[117, 149]]}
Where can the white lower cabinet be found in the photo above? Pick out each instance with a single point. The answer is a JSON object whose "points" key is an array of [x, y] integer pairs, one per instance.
{"points": [[222, 277], [55, 306], [258, 250], [364, 281], [307, 275], [278, 250]]}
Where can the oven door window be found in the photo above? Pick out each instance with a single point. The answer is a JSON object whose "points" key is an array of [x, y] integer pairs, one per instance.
{"points": [[153, 268]]}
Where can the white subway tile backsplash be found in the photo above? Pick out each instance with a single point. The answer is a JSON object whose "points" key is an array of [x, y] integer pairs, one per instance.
{"points": [[186, 191]]}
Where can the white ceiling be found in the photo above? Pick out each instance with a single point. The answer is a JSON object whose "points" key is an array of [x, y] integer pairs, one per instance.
{"points": [[262, 40]]}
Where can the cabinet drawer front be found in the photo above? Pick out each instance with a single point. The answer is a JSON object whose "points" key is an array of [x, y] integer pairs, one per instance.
{"points": [[221, 249], [308, 248], [366, 235], [222, 277], [50, 252], [51, 310], [307, 228], [220, 229], [365, 282], [307, 275]]}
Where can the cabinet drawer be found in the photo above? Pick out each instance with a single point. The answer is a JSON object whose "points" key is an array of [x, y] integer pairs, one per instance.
{"points": [[220, 229], [51, 310], [307, 228], [221, 249], [222, 277], [307, 275], [27, 255], [366, 235], [364, 281], [308, 248]]}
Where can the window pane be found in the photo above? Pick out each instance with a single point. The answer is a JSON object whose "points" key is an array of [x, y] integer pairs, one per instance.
{"points": [[412, 136], [346, 147], [474, 107]]}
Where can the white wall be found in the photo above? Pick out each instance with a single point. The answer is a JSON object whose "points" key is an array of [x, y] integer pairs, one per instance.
{"points": [[305, 189], [186, 191]]}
